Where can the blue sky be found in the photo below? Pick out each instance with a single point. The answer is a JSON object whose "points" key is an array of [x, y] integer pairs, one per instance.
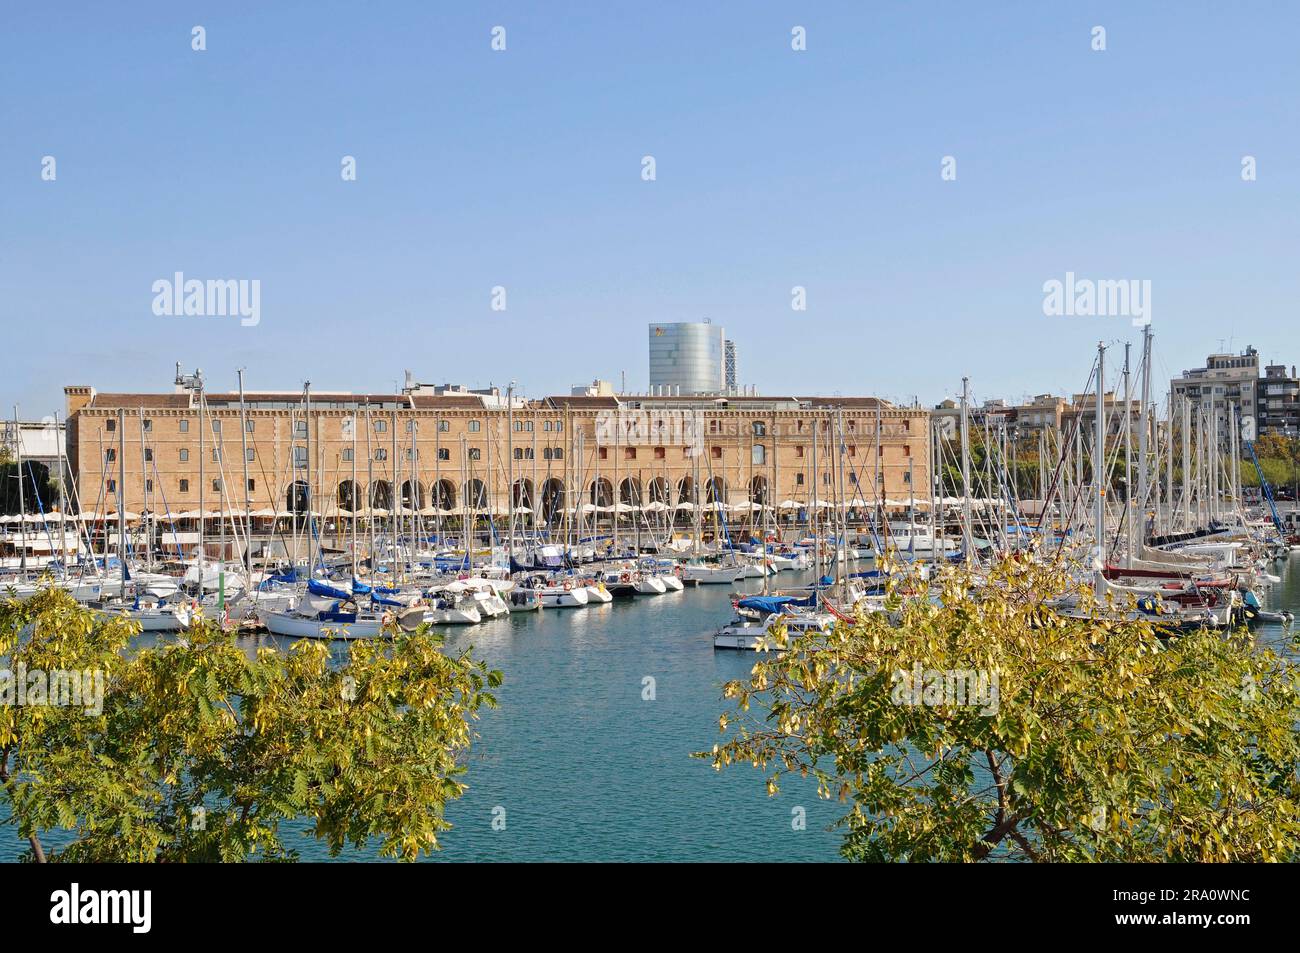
{"points": [[522, 169]]}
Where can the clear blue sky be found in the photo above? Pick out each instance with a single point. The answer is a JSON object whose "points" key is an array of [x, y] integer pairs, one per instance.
{"points": [[522, 169]]}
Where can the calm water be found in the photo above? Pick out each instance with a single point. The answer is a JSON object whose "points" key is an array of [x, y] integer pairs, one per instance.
{"points": [[585, 769]]}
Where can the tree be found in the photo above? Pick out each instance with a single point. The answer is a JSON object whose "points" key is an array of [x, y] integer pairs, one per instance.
{"points": [[39, 488], [201, 751], [1091, 739]]}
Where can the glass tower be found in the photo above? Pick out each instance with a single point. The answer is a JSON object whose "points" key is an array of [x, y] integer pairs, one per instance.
{"points": [[686, 358]]}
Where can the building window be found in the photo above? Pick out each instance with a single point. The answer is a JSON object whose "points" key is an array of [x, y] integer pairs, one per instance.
{"points": [[798, 451], [758, 455], [300, 427], [798, 479], [185, 486], [717, 453], [559, 453], [546, 426], [183, 425], [248, 426], [659, 453], [409, 454], [347, 454], [250, 454], [444, 426], [381, 454], [252, 485], [444, 453], [147, 424], [759, 428], [474, 453], [603, 453], [110, 425], [148, 454], [148, 486], [110, 455], [216, 486], [216, 425], [300, 458], [473, 426], [629, 453], [381, 426], [112, 486], [216, 454]]}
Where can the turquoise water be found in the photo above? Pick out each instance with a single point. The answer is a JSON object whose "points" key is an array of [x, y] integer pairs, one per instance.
{"points": [[586, 770]]}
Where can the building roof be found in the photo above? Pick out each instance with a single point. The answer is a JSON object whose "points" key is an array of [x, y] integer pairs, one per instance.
{"points": [[580, 402], [848, 402], [446, 401], [133, 401]]}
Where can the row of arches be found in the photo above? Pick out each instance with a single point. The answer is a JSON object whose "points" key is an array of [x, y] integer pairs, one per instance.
{"points": [[444, 494]]}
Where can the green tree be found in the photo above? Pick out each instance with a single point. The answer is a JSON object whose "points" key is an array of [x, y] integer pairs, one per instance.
{"points": [[202, 751], [1108, 741]]}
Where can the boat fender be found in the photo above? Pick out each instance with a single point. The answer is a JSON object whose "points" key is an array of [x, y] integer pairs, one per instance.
{"points": [[626, 577]]}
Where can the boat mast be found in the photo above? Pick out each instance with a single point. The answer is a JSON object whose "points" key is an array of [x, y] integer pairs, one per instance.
{"points": [[510, 469], [22, 504], [248, 502], [353, 503], [121, 495], [1144, 399], [144, 494], [1099, 454], [198, 391], [311, 536], [968, 540], [63, 501], [1128, 460], [370, 496]]}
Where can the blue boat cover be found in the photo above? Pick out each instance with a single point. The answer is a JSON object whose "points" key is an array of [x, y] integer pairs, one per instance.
{"points": [[318, 588], [766, 603]]}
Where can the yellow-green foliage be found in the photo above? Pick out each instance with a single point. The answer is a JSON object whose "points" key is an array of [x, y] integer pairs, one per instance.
{"points": [[202, 750], [1110, 741]]}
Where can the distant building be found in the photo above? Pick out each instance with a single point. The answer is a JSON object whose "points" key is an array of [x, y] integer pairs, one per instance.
{"points": [[729, 365], [686, 358], [1279, 401], [41, 443], [1226, 380], [596, 388]]}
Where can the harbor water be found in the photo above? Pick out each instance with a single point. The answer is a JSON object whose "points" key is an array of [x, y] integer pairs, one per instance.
{"points": [[588, 756]]}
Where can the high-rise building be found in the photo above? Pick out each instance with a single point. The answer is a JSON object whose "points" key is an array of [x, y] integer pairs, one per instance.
{"points": [[1226, 381], [729, 365], [686, 358]]}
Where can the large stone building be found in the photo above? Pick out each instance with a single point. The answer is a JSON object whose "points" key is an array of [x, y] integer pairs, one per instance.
{"points": [[356, 450]]}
